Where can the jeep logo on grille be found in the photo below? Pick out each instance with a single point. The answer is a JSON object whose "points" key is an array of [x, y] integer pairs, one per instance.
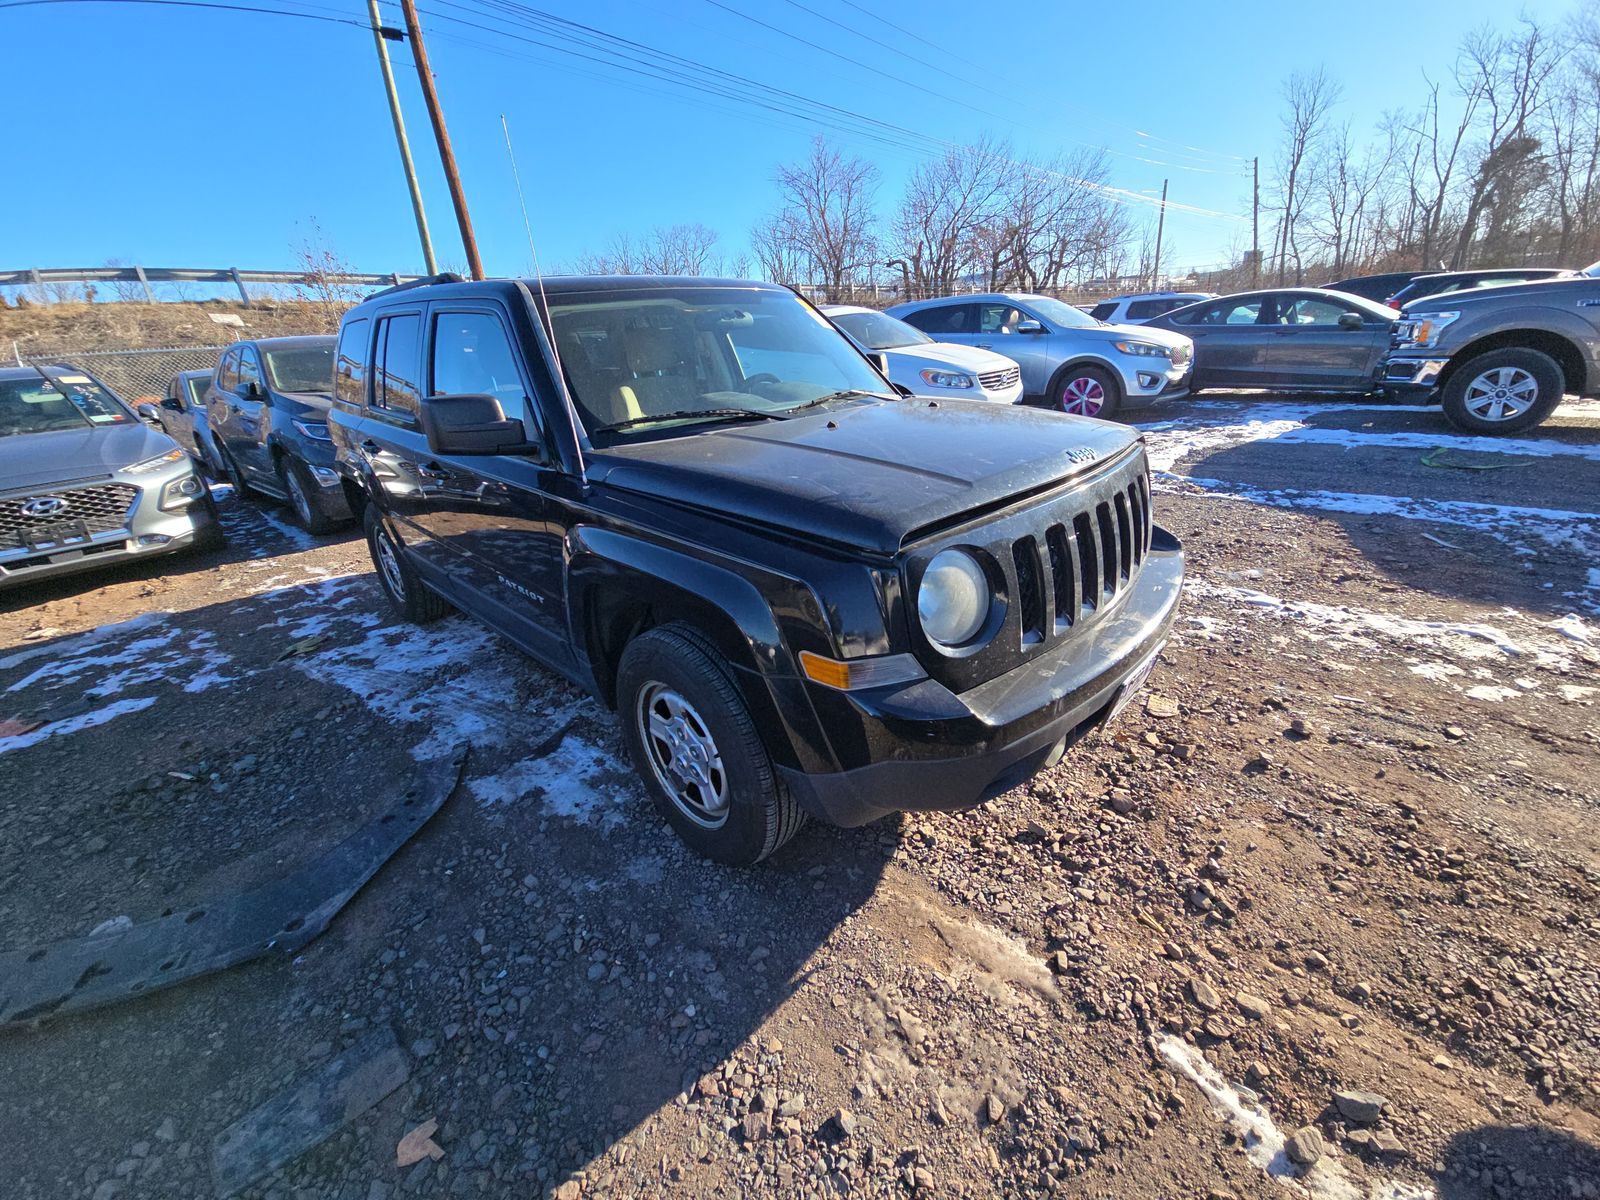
{"points": [[1080, 454], [44, 506]]}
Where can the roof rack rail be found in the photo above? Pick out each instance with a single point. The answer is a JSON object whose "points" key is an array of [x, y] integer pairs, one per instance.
{"points": [[421, 281]]}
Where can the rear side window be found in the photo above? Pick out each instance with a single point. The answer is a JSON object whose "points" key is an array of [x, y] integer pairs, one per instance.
{"points": [[1103, 310], [397, 365], [350, 362], [228, 371], [946, 318]]}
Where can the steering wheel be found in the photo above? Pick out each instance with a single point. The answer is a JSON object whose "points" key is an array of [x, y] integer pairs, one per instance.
{"points": [[764, 377]]}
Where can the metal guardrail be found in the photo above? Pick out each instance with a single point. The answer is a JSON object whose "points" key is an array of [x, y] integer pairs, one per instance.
{"points": [[145, 276]]}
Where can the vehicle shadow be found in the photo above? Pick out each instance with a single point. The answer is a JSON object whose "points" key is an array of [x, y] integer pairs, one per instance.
{"points": [[1517, 1162], [559, 967]]}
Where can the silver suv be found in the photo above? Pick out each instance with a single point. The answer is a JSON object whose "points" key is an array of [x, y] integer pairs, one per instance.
{"points": [[83, 483], [1069, 360]]}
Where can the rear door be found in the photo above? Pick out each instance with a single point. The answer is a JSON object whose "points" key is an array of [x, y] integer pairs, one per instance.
{"points": [[1229, 340], [177, 415], [220, 414], [250, 410], [1309, 348]]}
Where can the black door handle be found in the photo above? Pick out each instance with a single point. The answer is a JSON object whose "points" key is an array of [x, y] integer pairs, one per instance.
{"points": [[369, 447], [432, 470]]}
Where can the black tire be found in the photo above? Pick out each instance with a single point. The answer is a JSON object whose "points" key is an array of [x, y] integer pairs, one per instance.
{"points": [[402, 586], [232, 473], [1529, 380], [1088, 382], [758, 815], [305, 497], [211, 538]]}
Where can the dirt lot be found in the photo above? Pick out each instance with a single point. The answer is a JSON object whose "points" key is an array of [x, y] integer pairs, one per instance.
{"points": [[1350, 842]]}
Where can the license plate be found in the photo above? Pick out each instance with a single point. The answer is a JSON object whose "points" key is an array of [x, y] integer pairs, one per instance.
{"points": [[55, 534], [1131, 685]]}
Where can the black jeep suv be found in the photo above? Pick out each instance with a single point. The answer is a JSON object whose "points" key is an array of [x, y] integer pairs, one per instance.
{"points": [[803, 592]]}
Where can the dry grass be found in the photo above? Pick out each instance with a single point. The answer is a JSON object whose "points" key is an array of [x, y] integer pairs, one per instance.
{"points": [[131, 326]]}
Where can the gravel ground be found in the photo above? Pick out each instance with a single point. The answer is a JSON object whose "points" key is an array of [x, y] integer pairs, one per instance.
{"points": [[1318, 918]]}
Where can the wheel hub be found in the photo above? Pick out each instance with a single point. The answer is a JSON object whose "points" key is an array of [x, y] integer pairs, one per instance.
{"points": [[683, 754], [1501, 393]]}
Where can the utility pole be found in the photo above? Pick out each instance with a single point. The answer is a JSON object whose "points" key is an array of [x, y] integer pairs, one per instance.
{"points": [[378, 35], [1255, 222], [447, 156], [1161, 221]]}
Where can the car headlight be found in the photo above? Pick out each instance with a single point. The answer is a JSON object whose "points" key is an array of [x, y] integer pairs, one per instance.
{"points": [[1144, 349], [953, 599], [317, 431], [949, 379], [154, 464], [181, 492], [1424, 329]]}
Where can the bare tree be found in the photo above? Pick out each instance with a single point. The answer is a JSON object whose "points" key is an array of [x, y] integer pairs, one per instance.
{"points": [[825, 219], [666, 250], [1310, 98], [942, 229]]}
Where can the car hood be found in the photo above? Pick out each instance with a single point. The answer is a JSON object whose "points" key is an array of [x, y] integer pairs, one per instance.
{"points": [[871, 476], [31, 460], [1553, 290], [948, 354], [1159, 334], [301, 403]]}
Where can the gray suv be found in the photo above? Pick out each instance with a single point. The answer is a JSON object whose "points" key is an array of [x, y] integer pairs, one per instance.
{"points": [[1069, 360], [84, 483], [1499, 359]]}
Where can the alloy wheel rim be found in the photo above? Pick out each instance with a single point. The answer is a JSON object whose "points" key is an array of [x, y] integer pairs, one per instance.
{"points": [[1501, 394], [1083, 396], [683, 755], [389, 565]]}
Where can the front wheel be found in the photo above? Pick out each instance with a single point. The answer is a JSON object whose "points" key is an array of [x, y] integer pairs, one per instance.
{"points": [[304, 496], [694, 742], [397, 577], [1503, 391], [1086, 391]]}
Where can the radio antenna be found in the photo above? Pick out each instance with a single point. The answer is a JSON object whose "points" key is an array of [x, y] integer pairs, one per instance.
{"points": [[544, 301]]}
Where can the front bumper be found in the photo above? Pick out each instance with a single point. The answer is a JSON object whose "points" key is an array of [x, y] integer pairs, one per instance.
{"points": [[1146, 380], [935, 750], [147, 533], [1410, 374]]}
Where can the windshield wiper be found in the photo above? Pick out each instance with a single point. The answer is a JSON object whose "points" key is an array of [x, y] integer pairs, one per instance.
{"points": [[847, 394], [688, 414]]}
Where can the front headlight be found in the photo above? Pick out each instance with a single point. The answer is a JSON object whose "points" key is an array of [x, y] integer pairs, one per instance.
{"points": [[949, 379], [180, 493], [154, 464], [1144, 349], [1423, 329], [953, 598], [317, 431]]}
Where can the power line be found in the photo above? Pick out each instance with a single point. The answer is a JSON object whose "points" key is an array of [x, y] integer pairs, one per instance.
{"points": [[216, 4]]}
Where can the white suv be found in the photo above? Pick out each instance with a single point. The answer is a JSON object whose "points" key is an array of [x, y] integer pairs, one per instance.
{"points": [[927, 367], [1131, 310]]}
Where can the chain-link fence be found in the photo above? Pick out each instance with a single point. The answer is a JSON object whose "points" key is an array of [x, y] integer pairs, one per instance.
{"points": [[132, 374]]}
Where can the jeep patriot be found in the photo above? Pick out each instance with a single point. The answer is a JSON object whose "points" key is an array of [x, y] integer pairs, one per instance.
{"points": [[802, 592]]}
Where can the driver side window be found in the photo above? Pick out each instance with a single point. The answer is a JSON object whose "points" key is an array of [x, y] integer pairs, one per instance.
{"points": [[228, 371], [1000, 318], [249, 369], [1310, 311], [1229, 312]]}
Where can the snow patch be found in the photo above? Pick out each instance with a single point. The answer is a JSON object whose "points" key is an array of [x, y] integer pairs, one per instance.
{"points": [[577, 780], [82, 721], [1490, 693]]}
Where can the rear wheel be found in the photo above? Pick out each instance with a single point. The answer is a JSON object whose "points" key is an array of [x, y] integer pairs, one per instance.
{"points": [[1086, 391], [232, 473], [1503, 391], [694, 742], [398, 579]]}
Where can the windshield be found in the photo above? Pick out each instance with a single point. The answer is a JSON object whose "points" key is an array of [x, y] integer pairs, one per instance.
{"points": [[40, 405], [1058, 312], [302, 369], [632, 356], [878, 331]]}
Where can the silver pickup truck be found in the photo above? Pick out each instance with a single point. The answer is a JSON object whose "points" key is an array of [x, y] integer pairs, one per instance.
{"points": [[1499, 359]]}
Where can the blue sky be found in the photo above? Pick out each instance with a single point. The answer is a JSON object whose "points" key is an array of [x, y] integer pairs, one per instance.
{"points": [[191, 137]]}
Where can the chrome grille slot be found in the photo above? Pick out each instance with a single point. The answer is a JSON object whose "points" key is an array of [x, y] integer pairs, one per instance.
{"points": [[1109, 576], [993, 381], [101, 509], [1088, 560]]}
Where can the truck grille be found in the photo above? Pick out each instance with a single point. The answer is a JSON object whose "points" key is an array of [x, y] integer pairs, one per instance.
{"points": [[99, 509], [994, 381]]}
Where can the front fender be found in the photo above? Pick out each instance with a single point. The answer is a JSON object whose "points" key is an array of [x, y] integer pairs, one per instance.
{"points": [[732, 605], [1544, 318]]}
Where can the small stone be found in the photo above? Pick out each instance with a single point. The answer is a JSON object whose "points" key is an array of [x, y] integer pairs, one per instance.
{"points": [[937, 1112], [922, 1179], [757, 1125], [167, 1131], [423, 1047], [1454, 732], [793, 1106], [1304, 1146], [1259, 765], [1121, 804], [1060, 963], [1385, 1142], [1252, 1006], [994, 1108], [1205, 995], [1257, 1073], [1363, 1108], [571, 1189], [1315, 960], [1218, 1028], [1160, 707], [844, 1121], [95, 845], [1444, 1062]]}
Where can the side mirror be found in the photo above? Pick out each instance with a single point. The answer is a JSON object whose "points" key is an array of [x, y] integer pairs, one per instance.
{"points": [[148, 414], [880, 360], [471, 425], [1350, 320], [253, 390], [1028, 327], [172, 403]]}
